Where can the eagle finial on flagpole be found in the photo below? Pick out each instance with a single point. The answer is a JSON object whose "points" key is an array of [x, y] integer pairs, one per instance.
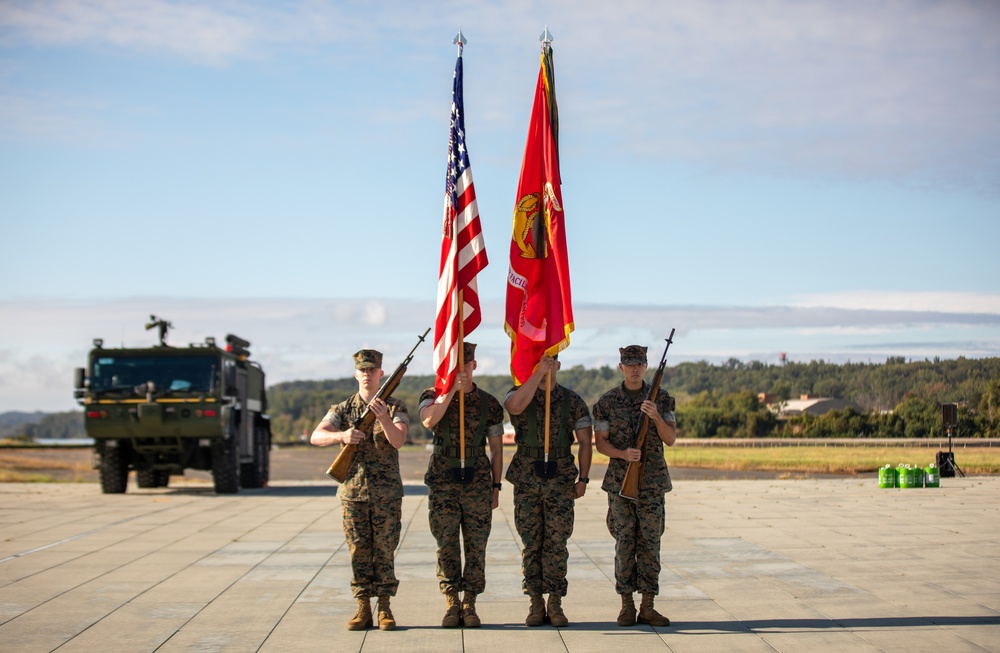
{"points": [[460, 41], [546, 38]]}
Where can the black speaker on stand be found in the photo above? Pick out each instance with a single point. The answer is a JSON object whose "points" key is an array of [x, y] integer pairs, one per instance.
{"points": [[946, 459]]}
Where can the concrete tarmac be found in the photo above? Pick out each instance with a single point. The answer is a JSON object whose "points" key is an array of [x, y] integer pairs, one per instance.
{"points": [[748, 565]]}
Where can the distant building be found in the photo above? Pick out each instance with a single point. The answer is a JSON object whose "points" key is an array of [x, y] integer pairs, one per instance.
{"points": [[810, 405]]}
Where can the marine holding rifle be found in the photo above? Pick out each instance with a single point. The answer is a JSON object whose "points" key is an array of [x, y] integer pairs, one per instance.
{"points": [[372, 492], [636, 524], [463, 486], [545, 486]]}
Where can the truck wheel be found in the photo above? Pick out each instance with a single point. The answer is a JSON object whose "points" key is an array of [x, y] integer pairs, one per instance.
{"points": [[114, 469], [266, 455], [254, 474], [146, 478], [163, 477], [226, 466]]}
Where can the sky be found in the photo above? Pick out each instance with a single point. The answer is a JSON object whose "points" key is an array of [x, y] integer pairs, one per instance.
{"points": [[820, 179]]}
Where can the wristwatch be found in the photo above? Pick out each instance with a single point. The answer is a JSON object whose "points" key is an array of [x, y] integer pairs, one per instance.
{"points": [[583, 479], [497, 486]]}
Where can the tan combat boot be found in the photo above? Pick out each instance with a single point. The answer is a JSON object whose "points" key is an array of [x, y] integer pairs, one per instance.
{"points": [[453, 617], [556, 616], [362, 620], [647, 615], [627, 616], [385, 619], [536, 613], [469, 617]]}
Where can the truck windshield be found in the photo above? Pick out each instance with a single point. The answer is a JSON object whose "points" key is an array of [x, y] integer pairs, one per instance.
{"points": [[168, 373]]}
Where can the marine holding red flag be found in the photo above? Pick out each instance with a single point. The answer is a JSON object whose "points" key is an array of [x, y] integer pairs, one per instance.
{"points": [[547, 417], [539, 312]]}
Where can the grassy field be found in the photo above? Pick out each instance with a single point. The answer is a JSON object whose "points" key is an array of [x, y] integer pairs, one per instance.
{"points": [[74, 465], [45, 465], [827, 460]]}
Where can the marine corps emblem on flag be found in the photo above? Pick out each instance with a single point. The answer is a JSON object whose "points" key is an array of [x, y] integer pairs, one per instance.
{"points": [[527, 229]]}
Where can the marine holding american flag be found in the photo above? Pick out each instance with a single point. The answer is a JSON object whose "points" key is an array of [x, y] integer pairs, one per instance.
{"points": [[463, 487], [463, 483]]}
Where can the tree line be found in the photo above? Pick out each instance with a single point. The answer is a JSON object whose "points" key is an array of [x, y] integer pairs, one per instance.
{"points": [[894, 399]]}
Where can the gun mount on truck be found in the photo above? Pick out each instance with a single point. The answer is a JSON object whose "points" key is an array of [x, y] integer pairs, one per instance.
{"points": [[160, 410]]}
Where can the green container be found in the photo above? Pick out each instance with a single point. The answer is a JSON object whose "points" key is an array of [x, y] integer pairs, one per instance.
{"points": [[905, 476], [918, 476], [933, 476], [887, 477]]}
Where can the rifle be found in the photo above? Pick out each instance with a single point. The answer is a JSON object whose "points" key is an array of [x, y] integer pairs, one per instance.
{"points": [[338, 470], [636, 470]]}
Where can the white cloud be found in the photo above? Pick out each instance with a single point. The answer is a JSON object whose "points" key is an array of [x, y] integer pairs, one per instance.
{"points": [[874, 300], [185, 29], [41, 342], [374, 314], [859, 90]]}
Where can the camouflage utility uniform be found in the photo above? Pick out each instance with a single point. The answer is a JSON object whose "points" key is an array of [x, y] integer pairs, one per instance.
{"points": [[459, 509], [637, 526], [544, 507], [372, 499]]}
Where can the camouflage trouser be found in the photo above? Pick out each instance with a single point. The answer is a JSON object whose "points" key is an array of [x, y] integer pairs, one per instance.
{"points": [[543, 515], [372, 530], [637, 527], [461, 511]]}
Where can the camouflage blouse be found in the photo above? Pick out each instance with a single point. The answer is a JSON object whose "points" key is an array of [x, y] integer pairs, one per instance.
{"points": [[617, 414], [522, 467], [374, 475], [477, 404]]}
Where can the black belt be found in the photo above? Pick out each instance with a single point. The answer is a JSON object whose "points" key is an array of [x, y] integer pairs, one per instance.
{"points": [[539, 452], [453, 451]]}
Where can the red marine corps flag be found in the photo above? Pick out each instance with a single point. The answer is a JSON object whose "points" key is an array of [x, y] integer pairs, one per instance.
{"points": [[539, 312], [463, 251]]}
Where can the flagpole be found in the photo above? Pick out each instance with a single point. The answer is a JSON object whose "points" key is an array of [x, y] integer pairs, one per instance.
{"points": [[461, 391], [460, 41], [546, 39], [548, 403]]}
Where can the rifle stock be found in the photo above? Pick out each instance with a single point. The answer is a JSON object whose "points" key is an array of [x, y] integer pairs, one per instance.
{"points": [[636, 469], [342, 464]]}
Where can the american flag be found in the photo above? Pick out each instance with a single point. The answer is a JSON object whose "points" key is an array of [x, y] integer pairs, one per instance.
{"points": [[463, 251]]}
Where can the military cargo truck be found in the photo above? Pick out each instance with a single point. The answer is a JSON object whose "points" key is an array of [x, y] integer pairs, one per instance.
{"points": [[161, 409]]}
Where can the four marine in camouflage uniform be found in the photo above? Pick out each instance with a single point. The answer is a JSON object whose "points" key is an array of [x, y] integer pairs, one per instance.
{"points": [[543, 506], [461, 501], [372, 493], [637, 526]]}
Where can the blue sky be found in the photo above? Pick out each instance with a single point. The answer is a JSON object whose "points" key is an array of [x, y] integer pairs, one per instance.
{"points": [[816, 178]]}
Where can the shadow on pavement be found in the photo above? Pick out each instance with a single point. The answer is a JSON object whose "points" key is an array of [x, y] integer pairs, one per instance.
{"points": [[806, 625]]}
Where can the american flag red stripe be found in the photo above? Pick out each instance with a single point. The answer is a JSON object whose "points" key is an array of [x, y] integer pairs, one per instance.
{"points": [[463, 250]]}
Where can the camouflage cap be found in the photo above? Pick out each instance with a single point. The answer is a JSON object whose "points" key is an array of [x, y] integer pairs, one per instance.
{"points": [[367, 358], [469, 353], [633, 355]]}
